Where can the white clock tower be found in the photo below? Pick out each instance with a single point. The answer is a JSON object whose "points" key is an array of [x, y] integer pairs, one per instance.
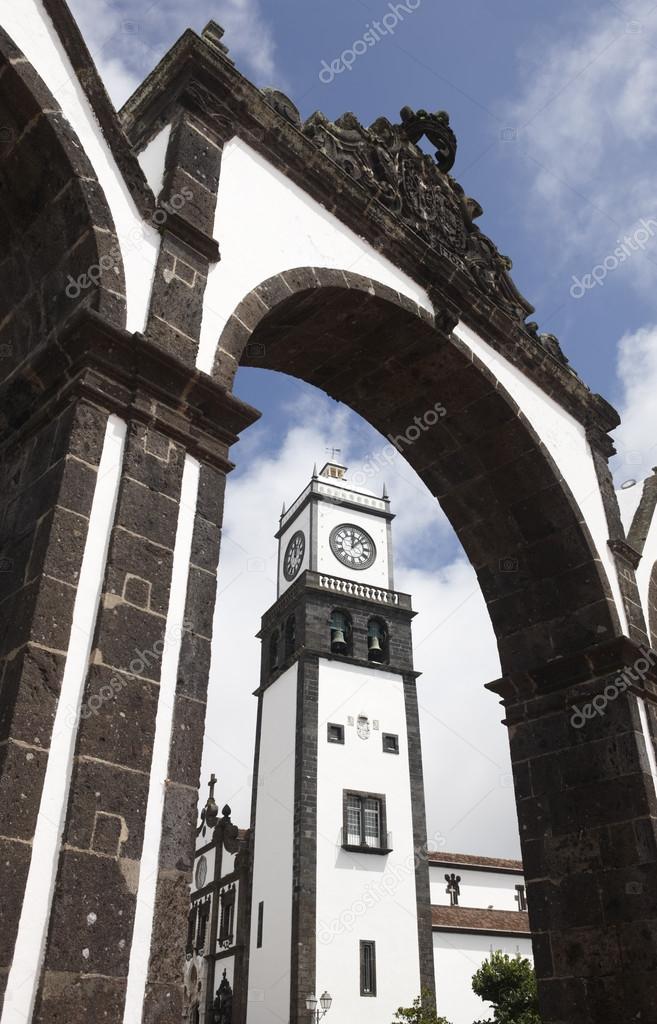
{"points": [[340, 888]]}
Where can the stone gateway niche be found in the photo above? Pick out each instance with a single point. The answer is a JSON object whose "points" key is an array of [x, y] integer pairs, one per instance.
{"points": [[155, 257]]}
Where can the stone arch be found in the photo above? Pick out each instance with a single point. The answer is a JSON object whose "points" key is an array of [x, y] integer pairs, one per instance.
{"points": [[54, 216], [398, 366]]}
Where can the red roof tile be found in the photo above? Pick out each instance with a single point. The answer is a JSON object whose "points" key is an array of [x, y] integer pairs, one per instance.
{"points": [[473, 919], [471, 860]]}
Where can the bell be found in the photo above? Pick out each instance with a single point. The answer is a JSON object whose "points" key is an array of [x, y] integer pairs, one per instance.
{"points": [[375, 651], [338, 642]]}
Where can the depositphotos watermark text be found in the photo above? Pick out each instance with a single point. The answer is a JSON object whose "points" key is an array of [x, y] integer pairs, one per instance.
{"points": [[374, 32]]}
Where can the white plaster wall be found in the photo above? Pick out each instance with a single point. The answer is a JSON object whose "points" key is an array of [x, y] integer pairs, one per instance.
{"points": [[227, 863], [301, 522], [456, 958], [628, 499], [265, 224], [152, 158], [269, 966], [364, 896], [565, 439], [329, 517], [33, 32], [481, 889]]}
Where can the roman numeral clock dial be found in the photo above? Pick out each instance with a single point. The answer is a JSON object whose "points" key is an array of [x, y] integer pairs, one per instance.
{"points": [[352, 546], [294, 555]]}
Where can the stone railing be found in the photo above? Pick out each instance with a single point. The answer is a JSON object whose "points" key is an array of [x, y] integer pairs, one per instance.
{"points": [[352, 589]]}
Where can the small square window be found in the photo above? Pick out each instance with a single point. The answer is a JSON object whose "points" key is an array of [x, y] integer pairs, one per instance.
{"points": [[390, 743], [335, 733]]}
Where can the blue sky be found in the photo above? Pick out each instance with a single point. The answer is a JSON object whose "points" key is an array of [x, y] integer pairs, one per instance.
{"points": [[555, 109]]}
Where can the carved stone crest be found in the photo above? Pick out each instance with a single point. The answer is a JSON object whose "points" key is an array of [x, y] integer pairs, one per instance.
{"points": [[363, 727]]}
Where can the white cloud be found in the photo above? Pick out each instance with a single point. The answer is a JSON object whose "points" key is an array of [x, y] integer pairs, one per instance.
{"points": [[587, 127], [470, 801], [127, 39], [636, 438]]}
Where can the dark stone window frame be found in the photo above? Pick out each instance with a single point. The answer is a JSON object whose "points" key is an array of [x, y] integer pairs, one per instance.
{"points": [[391, 749], [367, 985], [521, 897], [227, 915], [381, 850], [338, 739], [191, 929], [202, 920]]}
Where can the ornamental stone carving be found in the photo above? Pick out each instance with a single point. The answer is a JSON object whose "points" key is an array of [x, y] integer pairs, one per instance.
{"points": [[387, 160]]}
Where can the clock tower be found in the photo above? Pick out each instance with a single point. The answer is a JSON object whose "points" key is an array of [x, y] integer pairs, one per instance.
{"points": [[339, 889]]}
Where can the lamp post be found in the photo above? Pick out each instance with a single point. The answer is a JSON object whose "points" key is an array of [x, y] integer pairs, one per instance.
{"points": [[316, 1014]]}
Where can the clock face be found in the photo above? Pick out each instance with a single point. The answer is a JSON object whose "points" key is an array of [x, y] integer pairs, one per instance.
{"points": [[352, 546], [294, 555], [201, 873]]}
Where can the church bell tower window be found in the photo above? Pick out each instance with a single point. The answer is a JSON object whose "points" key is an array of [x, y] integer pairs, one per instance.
{"points": [[340, 627], [377, 641], [273, 651], [290, 636]]}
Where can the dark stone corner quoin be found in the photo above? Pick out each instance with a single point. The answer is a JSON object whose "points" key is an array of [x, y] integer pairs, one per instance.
{"points": [[585, 797]]}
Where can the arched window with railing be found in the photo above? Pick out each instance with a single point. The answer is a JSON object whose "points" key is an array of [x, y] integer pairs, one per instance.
{"points": [[340, 627]]}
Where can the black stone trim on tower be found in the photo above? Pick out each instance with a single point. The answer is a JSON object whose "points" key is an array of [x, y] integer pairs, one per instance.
{"points": [[422, 888], [304, 865]]}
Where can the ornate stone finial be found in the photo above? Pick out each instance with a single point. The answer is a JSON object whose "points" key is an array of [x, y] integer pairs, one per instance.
{"points": [[385, 492], [213, 33], [283, 105], [211, 811], [283, 510], [437, 130], [314, 470], [551, 343]]}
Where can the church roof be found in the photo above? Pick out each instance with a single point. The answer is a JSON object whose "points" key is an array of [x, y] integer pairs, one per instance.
{"points": [[474, 919], [470, 860]]}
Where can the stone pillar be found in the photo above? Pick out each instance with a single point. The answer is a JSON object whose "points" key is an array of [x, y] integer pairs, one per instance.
{"points": [[112, 538], [50, 468], [581, 732]]}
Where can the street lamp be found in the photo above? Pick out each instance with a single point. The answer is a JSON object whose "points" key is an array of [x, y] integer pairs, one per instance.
{"points": [[325, 1001]]}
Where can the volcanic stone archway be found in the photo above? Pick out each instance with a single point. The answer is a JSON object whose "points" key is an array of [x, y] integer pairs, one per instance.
{"points": [[375, 351]]}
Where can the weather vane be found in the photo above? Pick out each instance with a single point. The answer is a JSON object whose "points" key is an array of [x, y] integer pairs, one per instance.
{"points": [[333, 452]]}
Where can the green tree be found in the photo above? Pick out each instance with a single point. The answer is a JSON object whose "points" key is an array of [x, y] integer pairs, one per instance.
{"points": [[421, 1012], [509, 983]]}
